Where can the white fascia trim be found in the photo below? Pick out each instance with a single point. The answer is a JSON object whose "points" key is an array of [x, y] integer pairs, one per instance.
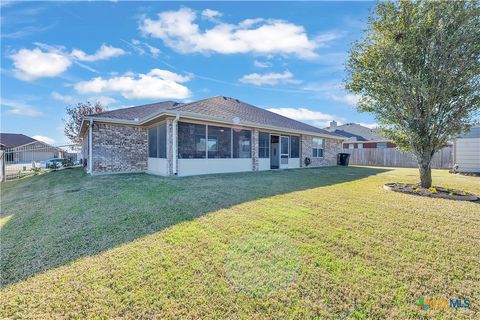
{"points": [[196, 116]]}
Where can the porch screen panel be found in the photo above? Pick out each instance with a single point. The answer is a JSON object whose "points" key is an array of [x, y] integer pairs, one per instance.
{"points": [[162, 140], [242, 145], [263, 145], [219, 142], [157, 141], [152, 142], [191, 141], [294, 147]]}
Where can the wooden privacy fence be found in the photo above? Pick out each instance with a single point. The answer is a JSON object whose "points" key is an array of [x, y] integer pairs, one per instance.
{"points": [[392, 157]]}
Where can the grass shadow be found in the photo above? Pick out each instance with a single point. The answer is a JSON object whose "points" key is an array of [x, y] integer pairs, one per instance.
{"points": [[50, 220]]}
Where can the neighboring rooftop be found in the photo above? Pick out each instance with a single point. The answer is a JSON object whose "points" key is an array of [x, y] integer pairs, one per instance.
{"points": [[12, 140], [221, 108], [356, 132]]}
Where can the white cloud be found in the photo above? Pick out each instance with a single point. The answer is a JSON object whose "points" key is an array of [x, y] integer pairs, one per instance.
{"points": [[260, 64], [60, 97], [33, 64], [157, 84], [210, 14], [350, 99], [105, 52], [315, 118], [271, 78], [45, 139], [179, 31], [103, 100], [51, 61], [19, 108]]}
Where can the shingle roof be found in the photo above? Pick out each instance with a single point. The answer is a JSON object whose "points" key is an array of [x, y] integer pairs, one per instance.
{"points": [[12, 140], [359, 132], [138, 112], [221, 108]]}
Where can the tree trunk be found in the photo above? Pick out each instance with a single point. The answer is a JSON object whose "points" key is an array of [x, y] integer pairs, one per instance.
{"points": [[425, 169]]}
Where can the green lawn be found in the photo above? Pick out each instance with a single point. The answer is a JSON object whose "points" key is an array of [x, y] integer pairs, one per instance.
{"points": [[324, 243]]}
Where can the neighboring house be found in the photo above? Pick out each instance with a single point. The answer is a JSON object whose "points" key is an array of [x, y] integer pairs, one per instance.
{"points": [[20, 148], [466, 151], [358, 137], [214, 135]]}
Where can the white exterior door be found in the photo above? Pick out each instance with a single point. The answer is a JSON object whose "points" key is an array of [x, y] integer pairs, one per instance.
{"points": [[284, 148]]}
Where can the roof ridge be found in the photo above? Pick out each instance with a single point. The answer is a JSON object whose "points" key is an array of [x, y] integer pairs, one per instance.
{"points": [[134, 107]]}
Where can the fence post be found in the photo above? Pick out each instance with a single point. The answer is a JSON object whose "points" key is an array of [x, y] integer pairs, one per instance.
{"points": [[2, 165]]}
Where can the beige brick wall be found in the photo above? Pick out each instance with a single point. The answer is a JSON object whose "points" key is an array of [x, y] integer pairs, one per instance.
{"points": [[170, 147], [119, 148], [330, 151], [255, 149]]}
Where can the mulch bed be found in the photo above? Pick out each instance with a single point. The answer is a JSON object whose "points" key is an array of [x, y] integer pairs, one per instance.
{"points": [[434, 192]]}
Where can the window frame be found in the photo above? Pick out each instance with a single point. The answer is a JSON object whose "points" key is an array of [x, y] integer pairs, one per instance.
{"points": [[382, 145], [317, 149]]}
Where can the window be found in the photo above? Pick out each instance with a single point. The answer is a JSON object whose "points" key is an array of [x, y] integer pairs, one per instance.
{"points": [[294, 147], [191, 141], [360, 146], [242, 144], [381, 145], [351, 146], [317, 147], [264, 145], [157, 141], [219, 142]]}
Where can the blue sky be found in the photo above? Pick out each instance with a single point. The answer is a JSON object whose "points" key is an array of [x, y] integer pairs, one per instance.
{"points": [[284, 56]]}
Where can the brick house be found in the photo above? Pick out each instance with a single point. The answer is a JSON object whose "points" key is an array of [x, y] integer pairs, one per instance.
{"points": [[359, 137], [215, 135]]}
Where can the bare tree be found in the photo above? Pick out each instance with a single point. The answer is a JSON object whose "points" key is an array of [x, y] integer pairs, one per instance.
{"points": [[75, 114]]}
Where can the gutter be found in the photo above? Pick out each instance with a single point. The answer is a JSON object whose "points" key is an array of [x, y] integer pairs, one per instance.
{"points": [[175, 143]]}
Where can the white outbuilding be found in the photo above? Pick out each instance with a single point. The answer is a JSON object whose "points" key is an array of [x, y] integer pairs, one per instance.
{"points": [[466, 151]]}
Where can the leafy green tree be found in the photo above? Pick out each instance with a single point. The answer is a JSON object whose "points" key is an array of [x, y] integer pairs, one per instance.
{"points": [[417, 69]]}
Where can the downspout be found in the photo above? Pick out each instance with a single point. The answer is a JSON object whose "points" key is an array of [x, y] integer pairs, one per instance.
{"points": [[90, 144], [175, 144]]}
